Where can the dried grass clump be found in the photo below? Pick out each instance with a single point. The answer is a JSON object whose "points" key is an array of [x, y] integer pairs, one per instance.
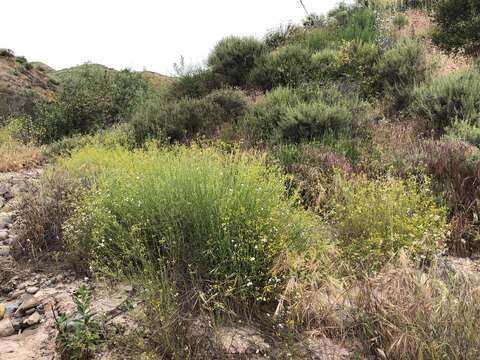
{"points": [[15, 156], [399, 313], [42, 211]]}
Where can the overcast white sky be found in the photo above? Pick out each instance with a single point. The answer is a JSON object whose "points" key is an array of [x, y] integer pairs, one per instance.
{"points": [[137, 34]]}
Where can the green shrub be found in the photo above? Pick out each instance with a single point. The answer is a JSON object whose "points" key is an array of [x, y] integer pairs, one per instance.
{"points": [[309, 121], [21, 59], [458, 26], [234, 57], [278, 37], [464, 131], [320, 38], [356, 63], [308, 112], [88, 100], [287, 66], [376, 219], [7, 53], [195, 84], [399, 70], [175, 121], [197, 215], [185, 119], [261, 121], [325, 64], [454, 97], [233, 103], [359, 25]]}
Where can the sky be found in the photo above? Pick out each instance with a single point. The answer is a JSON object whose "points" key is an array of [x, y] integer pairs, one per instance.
{"points": [[137, 34]]}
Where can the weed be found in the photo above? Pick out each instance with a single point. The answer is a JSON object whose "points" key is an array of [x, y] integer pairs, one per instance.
{"points": [[79, 333]]}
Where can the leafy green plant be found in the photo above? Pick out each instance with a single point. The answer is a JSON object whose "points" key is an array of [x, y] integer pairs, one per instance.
{"points": [[356, 62], [234, 58], [278, 37], [78, 334], [195, 83], [464, 131], [233, 103]]}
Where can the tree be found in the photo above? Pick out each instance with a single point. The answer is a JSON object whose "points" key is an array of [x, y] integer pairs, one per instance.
{"points": [[458, 26]]}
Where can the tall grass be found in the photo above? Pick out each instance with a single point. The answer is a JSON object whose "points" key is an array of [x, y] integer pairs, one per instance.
{"points": [[195, 213], [15, 155]]}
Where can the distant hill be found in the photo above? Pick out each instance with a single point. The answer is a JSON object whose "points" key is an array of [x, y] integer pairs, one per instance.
{"points": [[154, 77], [21, 81]]}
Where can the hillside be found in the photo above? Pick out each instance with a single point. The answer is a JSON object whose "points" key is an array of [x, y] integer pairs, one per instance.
{"points": [[19, 81], [311, 194], [22, 81]]}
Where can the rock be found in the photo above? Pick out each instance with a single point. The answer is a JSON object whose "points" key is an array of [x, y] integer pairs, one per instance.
{"points": [[320, 348], [2, 201], [3, 309], [5, 219], [33, 319], [30, 311], [31, 289], [7, 195], [4, 250], [17, 323], [11, 308], [242, 340], [16, 294], [22, 286], [4, 188], [3, 235], [6, 328], [28, 302], [19, 188]]}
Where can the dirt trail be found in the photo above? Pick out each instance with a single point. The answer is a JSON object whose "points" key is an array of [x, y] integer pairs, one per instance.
{"points": [[29, 297]]}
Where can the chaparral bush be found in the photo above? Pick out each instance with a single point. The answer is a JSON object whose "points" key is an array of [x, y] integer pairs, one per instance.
{"points": [[447, 99]]}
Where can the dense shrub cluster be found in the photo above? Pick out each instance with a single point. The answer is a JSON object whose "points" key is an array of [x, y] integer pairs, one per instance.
{"points": [[287, 66], [88, 100], [187, 118], [307, 113]]}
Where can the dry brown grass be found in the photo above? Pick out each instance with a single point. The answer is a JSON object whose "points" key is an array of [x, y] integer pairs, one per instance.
{"points": [[401, 313], [15, 156], [419, 26]]}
